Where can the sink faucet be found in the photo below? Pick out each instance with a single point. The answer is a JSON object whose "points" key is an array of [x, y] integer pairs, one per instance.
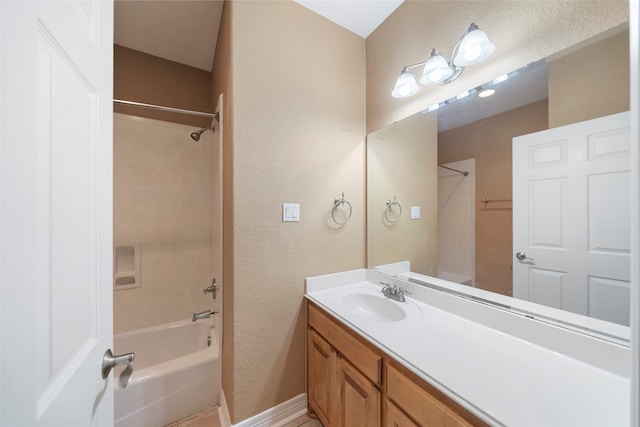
{"points": [[394, 292]]}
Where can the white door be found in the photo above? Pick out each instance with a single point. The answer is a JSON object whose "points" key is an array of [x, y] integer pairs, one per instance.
{"points": [[571, 217], [56, 212]]}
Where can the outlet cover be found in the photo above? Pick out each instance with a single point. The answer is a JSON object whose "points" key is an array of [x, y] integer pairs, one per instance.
{"points": [[415, 212]]}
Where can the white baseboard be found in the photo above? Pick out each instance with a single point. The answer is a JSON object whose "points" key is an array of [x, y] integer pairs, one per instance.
{"points": [[223, 411], [277, 416]]}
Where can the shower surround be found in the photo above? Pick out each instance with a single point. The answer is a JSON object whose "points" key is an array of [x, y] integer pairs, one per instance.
{"points": [[163, 202]]}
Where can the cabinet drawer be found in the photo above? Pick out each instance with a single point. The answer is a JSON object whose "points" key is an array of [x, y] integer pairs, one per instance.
{"points": [[425, 404], [368, 361]]}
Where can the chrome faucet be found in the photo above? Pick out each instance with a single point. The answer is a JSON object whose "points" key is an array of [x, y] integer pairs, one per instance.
{"points": [[213, 289], [203, 315], [394, 292]]}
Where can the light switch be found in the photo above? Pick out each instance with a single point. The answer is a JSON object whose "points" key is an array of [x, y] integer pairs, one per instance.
{"points": [[415, 212], [290, 212]]}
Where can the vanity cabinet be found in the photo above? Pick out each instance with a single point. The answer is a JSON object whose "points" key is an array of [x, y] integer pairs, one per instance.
{"points": [[340, 394], [424, 404], [394, 417], [322, 362], [351, 383]]}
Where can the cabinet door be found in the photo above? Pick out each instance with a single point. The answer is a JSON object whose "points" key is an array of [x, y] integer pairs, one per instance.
{"points": [[359, 398], [394, 417], [322, 378]]}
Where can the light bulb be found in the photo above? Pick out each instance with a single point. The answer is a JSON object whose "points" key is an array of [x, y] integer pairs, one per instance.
{"points": [[436, 69], [406, 85], [472, 53], [473, 47]]}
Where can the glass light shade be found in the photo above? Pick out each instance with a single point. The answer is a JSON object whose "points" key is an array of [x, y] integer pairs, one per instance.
{"points": [[406, 85], [436, 69], [473, 47]]}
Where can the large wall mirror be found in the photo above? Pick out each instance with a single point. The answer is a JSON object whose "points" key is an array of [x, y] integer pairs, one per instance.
{"points": [[521, 198]]}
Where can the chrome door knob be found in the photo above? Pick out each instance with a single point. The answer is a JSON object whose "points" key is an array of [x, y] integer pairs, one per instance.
{"points": [[521, 256], [109, 361]]}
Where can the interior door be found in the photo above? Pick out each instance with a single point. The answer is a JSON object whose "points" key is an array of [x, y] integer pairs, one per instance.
{"points": [[571, 217], [56, 219]]}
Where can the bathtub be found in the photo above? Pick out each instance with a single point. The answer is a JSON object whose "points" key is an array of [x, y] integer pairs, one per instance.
{"points": [[176, 373]]}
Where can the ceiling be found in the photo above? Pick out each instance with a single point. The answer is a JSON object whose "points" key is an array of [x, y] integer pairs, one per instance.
{"points": [[186, 31]]}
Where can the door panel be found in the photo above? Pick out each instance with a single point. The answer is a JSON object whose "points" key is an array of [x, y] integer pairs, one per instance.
{"points": [[56, 185], [571, 193]]}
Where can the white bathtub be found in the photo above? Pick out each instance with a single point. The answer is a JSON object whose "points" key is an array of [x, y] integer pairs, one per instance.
{"points": [[176, 373]]}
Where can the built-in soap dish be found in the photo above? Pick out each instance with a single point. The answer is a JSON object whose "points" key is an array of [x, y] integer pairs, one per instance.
{"points": [[126, 266]]}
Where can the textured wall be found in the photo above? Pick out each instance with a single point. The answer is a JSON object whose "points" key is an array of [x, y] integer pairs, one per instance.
{"points": [[298, 123], [401, 161], [523, 31], [599, 89], [146, 78]]}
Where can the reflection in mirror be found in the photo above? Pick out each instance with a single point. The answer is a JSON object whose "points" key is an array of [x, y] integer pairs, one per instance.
{"points": [[528, 220]]}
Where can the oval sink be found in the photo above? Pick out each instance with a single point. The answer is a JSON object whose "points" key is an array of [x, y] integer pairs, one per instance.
{"points": [[376, 307]]}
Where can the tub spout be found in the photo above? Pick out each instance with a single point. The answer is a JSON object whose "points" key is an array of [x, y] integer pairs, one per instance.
{"points": [[203, 315]]}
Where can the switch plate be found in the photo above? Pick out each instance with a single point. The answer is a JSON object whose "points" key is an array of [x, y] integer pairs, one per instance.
{"points": [[415, 212], [290, 212]]}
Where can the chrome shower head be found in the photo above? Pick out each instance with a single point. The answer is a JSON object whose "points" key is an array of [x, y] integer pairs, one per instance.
{"points": [[196, 135]]}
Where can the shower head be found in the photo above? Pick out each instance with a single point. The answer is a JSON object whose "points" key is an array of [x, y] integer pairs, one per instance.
{"points": [[196, 135]]}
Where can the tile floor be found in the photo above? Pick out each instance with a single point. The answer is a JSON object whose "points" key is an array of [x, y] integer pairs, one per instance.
{"points": [[210, 418]]}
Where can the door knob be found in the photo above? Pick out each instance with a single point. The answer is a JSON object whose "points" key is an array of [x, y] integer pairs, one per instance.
{"points": [[521, 256], [109, 361]]}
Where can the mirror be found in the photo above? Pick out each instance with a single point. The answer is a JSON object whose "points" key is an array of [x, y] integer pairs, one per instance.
{"points": [[430, 222]]}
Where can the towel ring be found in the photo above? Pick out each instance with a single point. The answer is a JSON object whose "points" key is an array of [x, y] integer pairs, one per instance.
{"points": [[336, 203], [390, 204]]}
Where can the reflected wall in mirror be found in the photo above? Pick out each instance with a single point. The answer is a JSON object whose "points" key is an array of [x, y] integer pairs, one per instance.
{"points": [[464, 232]]}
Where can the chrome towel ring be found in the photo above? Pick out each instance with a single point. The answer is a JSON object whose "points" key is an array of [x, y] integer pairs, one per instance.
{"points": [[336, 204], [390, 204]]}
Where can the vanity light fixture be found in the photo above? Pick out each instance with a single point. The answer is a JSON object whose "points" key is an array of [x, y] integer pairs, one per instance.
{"points": [[473, 47]]}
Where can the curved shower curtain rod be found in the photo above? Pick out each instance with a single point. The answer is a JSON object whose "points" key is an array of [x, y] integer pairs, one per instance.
{"points": [[215, 116]]}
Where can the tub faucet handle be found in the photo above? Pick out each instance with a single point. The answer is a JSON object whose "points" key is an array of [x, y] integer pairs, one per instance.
{"points": [[213, 288]]}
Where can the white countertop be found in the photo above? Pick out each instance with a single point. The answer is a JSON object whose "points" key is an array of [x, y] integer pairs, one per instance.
{"points": [[506, 369]]}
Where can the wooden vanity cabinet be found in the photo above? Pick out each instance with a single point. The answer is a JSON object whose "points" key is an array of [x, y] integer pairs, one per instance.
{"points": [[359, 398], [322, 364], [423, 403], [394, 417], [340, 394], [346, 386]]}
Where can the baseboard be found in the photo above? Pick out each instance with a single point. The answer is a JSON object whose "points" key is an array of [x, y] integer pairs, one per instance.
{"points": [[277, 416]]}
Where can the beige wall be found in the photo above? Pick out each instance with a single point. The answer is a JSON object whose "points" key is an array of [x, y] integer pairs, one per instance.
{"points": [[590, 83], [297, 119], [401, 161], [161, 200], [146, 78], [489, 142], [523, 31]]}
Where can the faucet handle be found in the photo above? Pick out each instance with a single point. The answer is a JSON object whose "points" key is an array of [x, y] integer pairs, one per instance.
{"points": [[213, 288]]}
